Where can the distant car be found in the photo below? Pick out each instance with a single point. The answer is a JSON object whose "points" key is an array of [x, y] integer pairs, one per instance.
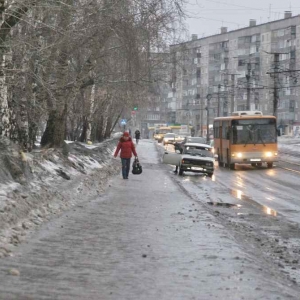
{"points": [[189, 139], [161, 132], [194, 158], [169, 138]]}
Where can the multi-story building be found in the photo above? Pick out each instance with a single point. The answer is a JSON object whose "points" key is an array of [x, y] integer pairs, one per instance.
{"points": [[253, 68]]}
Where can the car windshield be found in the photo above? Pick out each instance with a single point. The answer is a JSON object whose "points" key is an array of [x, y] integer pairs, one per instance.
{"points": [[261, 131], [198, 151], [200, 140]]}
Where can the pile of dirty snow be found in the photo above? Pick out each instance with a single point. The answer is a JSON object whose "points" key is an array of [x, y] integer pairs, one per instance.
{"points": [[35, 186]]}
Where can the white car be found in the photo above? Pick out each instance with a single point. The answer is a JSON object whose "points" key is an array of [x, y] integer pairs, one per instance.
{"points": [[195, 157]]}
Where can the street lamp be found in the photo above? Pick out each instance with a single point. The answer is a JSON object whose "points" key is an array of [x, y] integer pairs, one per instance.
{"points": [[208, 97]]}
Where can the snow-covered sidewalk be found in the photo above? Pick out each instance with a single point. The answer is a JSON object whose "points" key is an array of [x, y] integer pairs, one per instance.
{"points": [[143, 238]]}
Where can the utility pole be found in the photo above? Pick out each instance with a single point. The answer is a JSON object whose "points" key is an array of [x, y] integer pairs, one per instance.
{"points": [[232, 78], [276, 78], [232, 93], [248, 76], [188, 106], [275, 75], [201, 113], [208, 97], [219, 89]]}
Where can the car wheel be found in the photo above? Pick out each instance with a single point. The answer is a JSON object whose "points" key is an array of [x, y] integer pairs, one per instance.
{"points": [[270, 165], [210, 175], [259, 164], [180, 172]]}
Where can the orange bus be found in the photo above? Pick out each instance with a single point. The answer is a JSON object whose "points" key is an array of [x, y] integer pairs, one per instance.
{"points": [[246, 137]]}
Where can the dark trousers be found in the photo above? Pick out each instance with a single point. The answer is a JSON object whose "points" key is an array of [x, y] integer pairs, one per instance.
{"points": [[125, 167]]}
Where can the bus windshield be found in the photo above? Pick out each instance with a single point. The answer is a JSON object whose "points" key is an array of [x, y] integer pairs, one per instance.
{"points": [[255, 131]]}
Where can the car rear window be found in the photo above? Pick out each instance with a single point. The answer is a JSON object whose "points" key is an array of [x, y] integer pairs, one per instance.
{"points": [[196, 140]]}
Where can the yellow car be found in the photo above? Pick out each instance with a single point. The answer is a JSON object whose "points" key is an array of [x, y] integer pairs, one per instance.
{"points": [[160, 133]]}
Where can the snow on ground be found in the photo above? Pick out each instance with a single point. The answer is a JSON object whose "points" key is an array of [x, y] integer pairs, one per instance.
{"points": [[51, 183], [285, 142]]}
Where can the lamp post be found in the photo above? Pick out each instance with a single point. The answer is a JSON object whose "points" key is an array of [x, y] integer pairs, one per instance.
{"points": [[188, 109], [208, 97]]}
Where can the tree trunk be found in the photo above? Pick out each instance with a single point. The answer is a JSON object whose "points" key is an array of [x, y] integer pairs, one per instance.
{"points": [[98, 130], [54, 133], [83, 136], [108, 127]]}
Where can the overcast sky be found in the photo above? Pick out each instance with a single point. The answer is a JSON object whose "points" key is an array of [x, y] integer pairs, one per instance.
{"points": [[208, 16]]}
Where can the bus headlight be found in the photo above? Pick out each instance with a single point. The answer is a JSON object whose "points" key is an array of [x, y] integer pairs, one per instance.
{"points": [[268, 154]]}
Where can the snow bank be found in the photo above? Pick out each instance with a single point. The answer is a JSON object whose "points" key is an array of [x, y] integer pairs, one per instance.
{"points": [[35, 186]]}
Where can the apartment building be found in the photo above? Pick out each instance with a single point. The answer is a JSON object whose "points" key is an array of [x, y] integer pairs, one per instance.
{"points": [[256, 68]]}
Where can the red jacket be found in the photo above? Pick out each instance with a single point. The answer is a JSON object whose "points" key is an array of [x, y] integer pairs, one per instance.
{"points": [[126, 147]]}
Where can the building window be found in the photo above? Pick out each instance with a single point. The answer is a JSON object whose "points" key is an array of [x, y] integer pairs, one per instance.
{"points": [[292, 106], [241, 62], [293, 54]]}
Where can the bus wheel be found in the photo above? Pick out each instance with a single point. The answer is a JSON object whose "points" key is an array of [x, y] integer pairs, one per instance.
{"points": [[232, 166], [259, 164], [270, 165], [253, 164]]}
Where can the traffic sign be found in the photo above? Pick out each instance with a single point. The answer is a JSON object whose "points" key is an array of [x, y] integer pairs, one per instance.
{"points": [[123, 122]]}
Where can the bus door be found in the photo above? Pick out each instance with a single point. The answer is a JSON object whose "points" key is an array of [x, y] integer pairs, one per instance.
{"points": [[217, 139], [221, 142], [226, 141]]}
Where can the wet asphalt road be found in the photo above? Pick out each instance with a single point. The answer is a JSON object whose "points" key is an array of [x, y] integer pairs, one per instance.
{"points": [[145, 238]]}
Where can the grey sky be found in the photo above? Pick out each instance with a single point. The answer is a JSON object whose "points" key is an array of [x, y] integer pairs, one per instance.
{"points": [[208, 16]]}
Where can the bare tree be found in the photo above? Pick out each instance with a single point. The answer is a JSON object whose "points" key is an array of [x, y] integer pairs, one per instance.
{"points": [[70, 68]]}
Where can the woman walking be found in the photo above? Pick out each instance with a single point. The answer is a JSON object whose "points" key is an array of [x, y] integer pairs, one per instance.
{"points": [[127, 148]]}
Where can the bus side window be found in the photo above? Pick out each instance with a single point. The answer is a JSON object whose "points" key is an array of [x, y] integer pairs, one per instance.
{"points": [[216, 129], [224, 130], [234, 134], [228, 134]]}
